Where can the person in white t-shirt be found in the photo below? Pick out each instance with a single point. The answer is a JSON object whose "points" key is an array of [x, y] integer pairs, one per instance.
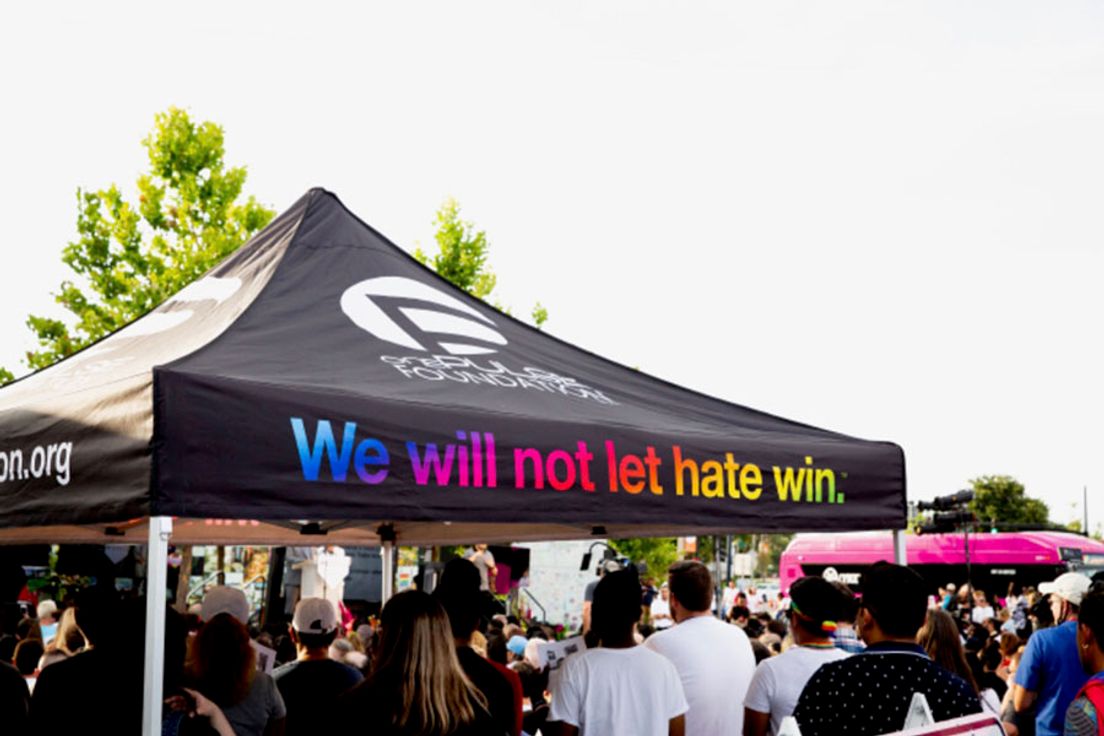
{"points": [[714, 660], [617, 688], [661, 609], [728, 597], [982, 610], [815, 606]]}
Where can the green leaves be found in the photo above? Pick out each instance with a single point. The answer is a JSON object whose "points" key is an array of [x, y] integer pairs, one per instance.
{"points": [[130, 257], [461, 258], [657, 554], [1001, 499], [461, 252]]}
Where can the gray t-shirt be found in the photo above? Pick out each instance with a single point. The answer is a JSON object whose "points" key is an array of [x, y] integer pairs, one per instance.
{"points": [[261, 705]]}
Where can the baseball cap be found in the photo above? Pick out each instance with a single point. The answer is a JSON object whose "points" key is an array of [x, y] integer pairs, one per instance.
{"points": [[610, 566], [1071, 585], [517, 645], [224, 599], [314, 616]]}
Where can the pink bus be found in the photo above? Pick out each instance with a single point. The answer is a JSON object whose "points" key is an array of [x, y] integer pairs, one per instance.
{"points": [[1026, 558]]}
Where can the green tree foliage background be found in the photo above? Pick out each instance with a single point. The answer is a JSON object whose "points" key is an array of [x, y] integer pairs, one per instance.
{"points": [[129, 257], [657, 554], [1001, 499], [461, 257]]}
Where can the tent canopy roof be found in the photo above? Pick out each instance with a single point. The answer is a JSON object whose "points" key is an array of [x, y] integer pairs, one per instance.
{"points": [[321, 374]]}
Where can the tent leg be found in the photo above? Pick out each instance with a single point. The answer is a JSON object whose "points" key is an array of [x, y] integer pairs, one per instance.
{"points": [[900, 552], [157, 578], [387, 571]]}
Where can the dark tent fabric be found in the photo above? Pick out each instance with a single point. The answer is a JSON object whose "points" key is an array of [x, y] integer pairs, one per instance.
{"points": [[321, 380]]}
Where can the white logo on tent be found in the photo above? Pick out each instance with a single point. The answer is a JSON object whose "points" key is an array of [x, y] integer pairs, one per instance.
{"points": [[414, 315]]}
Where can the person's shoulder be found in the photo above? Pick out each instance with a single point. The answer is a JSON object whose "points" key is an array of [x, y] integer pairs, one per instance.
{"points": [[1054, 633], [1082, 716], [953, 679], [365, 694], [732, 631], [645, 657], [263, 682], [79, 666], [506, 672], [836, 668], [11, 679], [482, 672], [285, 669], [662, 639]]}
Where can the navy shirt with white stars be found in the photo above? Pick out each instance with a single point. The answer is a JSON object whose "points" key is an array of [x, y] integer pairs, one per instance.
{"points": [[870, 693]]}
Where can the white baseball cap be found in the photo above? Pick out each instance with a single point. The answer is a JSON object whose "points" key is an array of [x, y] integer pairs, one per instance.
{"points": [[314, 616], [224, 599], [1071, 585]]}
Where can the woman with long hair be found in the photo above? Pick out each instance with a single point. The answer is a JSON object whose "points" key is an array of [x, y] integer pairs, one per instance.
{"points": [[70, 639], [416, 687], [941, 640], [222, 666]]}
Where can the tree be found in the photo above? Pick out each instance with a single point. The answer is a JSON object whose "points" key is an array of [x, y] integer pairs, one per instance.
{"points": [[462, 257], [129, 258], [1001, 499], [657, 553]]}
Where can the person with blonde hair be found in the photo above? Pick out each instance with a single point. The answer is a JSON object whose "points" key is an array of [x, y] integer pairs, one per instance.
{"points": [[70, 639], [416, 687]]}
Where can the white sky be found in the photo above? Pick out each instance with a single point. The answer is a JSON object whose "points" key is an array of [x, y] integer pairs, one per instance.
{"points": [[883, 218]]}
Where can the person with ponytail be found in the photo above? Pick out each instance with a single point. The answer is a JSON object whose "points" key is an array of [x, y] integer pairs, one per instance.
{"points": [[815, 607], [416, 687]]}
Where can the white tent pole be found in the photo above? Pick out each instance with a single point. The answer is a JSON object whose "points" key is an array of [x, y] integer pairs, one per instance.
{"points": [[157, 579], [387, 571], [900, 551], [386, 534]]}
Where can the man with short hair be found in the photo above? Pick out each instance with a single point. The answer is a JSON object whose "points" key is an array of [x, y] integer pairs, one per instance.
{"points": [[1050, 675], [714, 660], [870, 693], [661, 609], [617, 688], [1085, 716], [312, 683], [815, 607], [47, 620], [606, 566], [460, 596]]}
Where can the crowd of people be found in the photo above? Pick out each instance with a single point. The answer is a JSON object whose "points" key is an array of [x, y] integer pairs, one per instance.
{"points": [[447, 663]]}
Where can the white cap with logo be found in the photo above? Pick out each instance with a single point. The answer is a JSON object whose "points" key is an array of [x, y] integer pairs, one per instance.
{"points": [[314, 616], [1071, 585]]}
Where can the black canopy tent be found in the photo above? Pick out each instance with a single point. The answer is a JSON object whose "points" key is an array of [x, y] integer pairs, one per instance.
{"points": [[321, 381]]}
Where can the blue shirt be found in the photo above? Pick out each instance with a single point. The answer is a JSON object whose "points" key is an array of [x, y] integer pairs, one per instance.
{"points": [[1051, 668]]}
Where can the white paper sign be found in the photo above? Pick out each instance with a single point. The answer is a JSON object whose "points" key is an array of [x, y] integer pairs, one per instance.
{"points": [[552, 654]]}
